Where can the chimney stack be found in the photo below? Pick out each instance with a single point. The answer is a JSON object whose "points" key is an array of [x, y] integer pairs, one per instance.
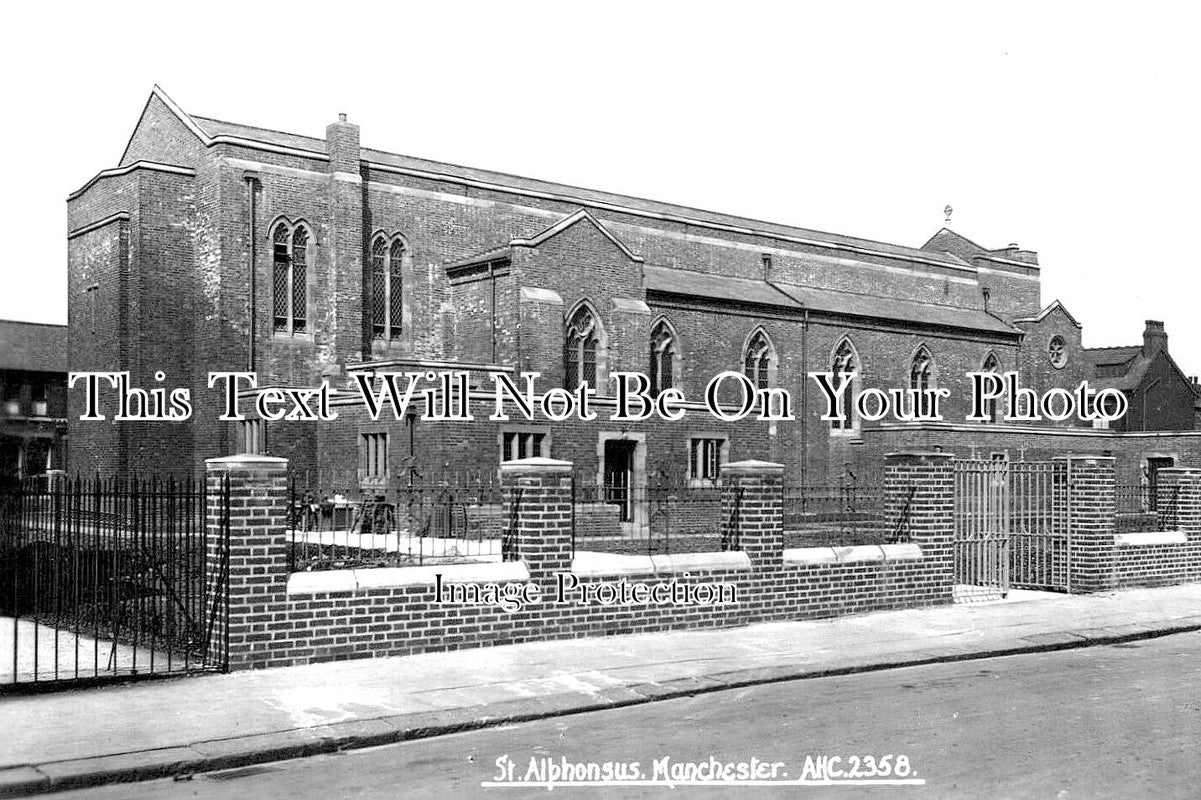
{"points": [[1154, 338], [342, 144]]}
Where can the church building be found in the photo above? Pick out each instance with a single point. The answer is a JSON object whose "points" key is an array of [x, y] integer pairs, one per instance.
{"points": [[217, 246]]}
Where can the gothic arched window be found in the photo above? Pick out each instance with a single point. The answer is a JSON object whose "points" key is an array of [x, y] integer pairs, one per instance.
{"points": [[845, 361], [581, 342], [921, 378], [386, 287], [289, 247], [758, 360], [663, 357], [991, 409], [921, 372]]}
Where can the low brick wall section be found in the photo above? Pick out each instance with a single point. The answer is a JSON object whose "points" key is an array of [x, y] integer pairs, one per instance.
{"points": [[1172, 555], [277, 619], [308, 625], [1155, 564]]}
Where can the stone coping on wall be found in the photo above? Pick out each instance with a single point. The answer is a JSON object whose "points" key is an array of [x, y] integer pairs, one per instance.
{"points": [[354, 580], [856, 553], [585, 565], [1150, 538], [592, 565]]}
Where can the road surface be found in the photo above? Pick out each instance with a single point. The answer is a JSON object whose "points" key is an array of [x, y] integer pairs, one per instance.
{"points": [[1120, 721]]}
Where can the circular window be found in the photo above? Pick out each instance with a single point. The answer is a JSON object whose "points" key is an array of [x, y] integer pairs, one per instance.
{"points": [[1057, 352]]}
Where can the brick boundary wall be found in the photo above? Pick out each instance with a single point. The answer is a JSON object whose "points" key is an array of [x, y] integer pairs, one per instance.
{"points": [[258, 553], [919, 503], [1086, 501], [1165, 563], [752, 511], [277, 619]]}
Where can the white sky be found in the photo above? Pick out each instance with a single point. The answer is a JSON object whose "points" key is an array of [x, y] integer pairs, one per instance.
{"points": [[1070, 128]]}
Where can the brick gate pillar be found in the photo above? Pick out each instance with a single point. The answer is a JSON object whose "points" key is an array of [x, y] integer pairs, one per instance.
{"points": [[919, 507], [1178, 500], [752, 511], [254, 576], [538, 518], [1085, 509]]}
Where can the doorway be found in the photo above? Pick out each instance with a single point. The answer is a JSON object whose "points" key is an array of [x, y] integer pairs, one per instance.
{"points": [[1151, 471], [619, 476]]}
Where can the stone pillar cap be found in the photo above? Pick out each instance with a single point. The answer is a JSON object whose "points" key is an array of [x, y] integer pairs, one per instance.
{"points": [[751, 465], [919, 454], [537, 464], [245, 461]]}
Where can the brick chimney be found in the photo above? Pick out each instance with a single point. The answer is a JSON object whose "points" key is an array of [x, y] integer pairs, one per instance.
{"points": [[342, 144], [1154, 338]]}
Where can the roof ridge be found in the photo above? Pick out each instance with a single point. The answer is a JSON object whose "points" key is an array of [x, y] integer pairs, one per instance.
{"points": [[31, 322], [831, 237], [775, 283], [254, 127]]}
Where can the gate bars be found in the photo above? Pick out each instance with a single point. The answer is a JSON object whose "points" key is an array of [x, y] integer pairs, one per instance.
{"points": [[1007, 534]]}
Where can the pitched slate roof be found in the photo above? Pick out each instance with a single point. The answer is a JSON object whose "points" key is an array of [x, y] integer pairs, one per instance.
{"points": [[1043, 314], [864, 305], [1123, 367], [211, 127], [1111, 356], [219, 127], [680, 282], [685, 282], [33, 346]]}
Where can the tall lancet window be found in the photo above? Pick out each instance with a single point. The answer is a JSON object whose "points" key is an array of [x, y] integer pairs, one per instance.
{"points": [[845, 362], [290, 259], [757, 360], [387, 261], [663, 357], [921, 378], [581, 343], [992, 409]]}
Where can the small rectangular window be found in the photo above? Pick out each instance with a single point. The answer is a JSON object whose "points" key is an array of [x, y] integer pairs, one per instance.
{"points": [[516, 445], [373, 456], [705, 457], [253, 437]]}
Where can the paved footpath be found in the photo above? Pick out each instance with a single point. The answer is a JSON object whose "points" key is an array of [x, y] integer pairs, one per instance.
{"points": [[63, 740]]}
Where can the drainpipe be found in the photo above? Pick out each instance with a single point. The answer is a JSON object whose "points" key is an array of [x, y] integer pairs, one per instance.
{"points": [[492, 280], [804, 396], [1147, 391], [252, 183]]}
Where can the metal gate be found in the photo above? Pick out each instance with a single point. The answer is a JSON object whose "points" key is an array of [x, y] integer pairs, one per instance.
{"points": [[111, 579], [1007, 534]]}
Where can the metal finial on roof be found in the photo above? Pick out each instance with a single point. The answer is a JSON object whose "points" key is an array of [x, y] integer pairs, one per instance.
{"points": [[948, 211]]}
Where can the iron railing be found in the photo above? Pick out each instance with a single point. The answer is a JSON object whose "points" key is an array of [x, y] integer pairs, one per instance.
{"points": [[104, 578], [651, 520], [838, 515], [1166, 513], [1135, 506], [346, 520]]}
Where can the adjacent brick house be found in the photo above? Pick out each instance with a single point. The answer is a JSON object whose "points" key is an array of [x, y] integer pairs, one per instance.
{"points": [[1161, 396], [33, 398], [219, 246]]}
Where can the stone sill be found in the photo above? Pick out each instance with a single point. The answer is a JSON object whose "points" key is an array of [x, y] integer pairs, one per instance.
{"points": [[1149, 538], [595, 565], [848, 555], [355, 580]]}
